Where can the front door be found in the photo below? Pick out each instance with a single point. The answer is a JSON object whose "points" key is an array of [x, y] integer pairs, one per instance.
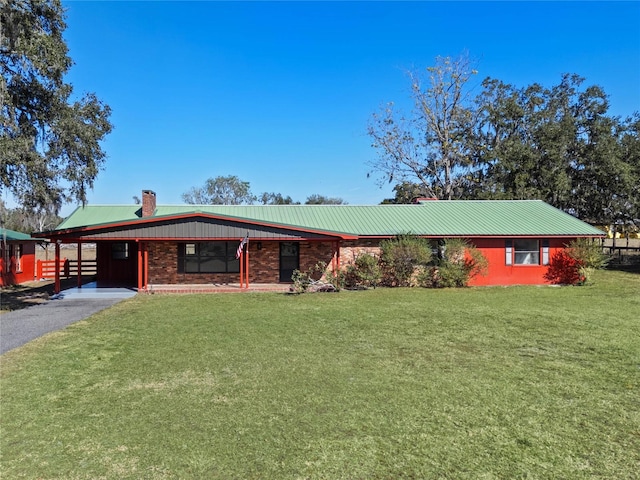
{"points": [[289, 260]]}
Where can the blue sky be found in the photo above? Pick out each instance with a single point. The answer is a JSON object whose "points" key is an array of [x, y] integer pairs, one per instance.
{"points": [[280, 93]]}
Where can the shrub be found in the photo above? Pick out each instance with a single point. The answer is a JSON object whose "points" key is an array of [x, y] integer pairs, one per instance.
{"points": [[301, 281], [588, 256], [316, 279], [401, 257], [460, 262], [563, 269], [575, 265], [363, 273]]}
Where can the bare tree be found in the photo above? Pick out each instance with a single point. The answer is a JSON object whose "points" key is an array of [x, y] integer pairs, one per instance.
{"points": [[429, 147]]}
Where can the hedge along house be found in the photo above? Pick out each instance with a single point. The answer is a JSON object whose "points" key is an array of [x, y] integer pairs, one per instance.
{"points": [[151, 246], [17, 257]]}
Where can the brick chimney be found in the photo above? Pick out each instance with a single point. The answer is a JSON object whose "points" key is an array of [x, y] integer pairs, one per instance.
{"points": [[420, 200], [148, 203]]}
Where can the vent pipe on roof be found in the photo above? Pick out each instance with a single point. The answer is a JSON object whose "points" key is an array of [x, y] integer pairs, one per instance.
{"points": [[148, 203]]}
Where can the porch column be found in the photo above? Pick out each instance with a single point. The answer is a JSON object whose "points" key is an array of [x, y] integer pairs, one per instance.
{"points": [[56, 288], [145, 263], [79, 265], [140, 264]]}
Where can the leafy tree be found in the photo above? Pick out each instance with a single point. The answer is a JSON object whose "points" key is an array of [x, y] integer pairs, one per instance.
{"points": [[556, 144], [49, 141], [405, 192], [629, 141], [529, 137], [430, 147], [604, 179], [316, 199], [228, 190], [29, 221], [267, 198]]}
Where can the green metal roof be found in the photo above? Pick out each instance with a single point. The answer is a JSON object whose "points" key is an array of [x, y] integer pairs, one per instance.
{"points": [[12, 235], [433, 218]]}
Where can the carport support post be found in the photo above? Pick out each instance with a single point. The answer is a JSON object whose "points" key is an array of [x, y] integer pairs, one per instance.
{"points": [[140, 264], [143, 266], [57, 274], [79, 269]]}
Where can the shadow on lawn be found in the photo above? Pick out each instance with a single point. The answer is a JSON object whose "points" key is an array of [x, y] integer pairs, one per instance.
{"points": [[629, 266], [17, 297]]}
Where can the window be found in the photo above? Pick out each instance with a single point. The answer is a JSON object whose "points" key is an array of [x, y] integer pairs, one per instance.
{"points": [[208, 257], [120, 251], [545, 252], [525, 251], [18, 253]]}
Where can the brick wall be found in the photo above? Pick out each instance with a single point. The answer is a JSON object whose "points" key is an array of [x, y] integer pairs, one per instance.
{"points": [[163, 268], [264, 263], [350, 250], [313, 252]]}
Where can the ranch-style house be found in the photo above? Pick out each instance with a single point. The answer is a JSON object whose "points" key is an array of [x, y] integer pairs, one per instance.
{"points": [[150, 245]]}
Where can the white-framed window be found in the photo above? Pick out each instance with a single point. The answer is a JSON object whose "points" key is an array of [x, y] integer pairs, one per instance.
{"points": [[526, 251], [545, 252]]}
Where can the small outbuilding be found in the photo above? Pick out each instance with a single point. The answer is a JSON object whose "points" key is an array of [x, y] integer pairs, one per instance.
{"points": [[17, 257], [151, 245]]}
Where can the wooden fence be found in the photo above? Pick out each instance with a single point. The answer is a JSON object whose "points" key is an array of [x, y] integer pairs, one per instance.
{"points": [[622, 251], [68, 268]]}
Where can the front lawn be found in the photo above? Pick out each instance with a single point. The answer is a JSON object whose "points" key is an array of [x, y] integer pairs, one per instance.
{"points": [[517, 382]]}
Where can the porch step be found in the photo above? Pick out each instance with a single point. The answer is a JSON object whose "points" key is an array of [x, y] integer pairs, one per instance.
{"points": [[216, 288]]}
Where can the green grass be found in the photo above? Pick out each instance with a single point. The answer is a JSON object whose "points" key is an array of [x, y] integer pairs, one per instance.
{"points": [[518, 382]]}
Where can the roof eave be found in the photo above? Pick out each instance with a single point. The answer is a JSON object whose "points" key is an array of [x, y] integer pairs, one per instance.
{"points": [[196, 214]]}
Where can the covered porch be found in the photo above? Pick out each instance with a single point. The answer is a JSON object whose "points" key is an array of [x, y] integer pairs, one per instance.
{"points": [[101, 290]]}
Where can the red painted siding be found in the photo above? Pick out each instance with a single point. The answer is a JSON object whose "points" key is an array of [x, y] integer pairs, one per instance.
{"points": [[499, 273], [116, 271], [13, 273]]}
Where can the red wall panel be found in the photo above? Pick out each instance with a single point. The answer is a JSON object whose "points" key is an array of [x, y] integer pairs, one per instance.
{"points": [[499, 273]]}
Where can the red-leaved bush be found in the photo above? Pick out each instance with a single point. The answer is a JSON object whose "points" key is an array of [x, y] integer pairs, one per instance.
{"points": [[564, 269]]}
